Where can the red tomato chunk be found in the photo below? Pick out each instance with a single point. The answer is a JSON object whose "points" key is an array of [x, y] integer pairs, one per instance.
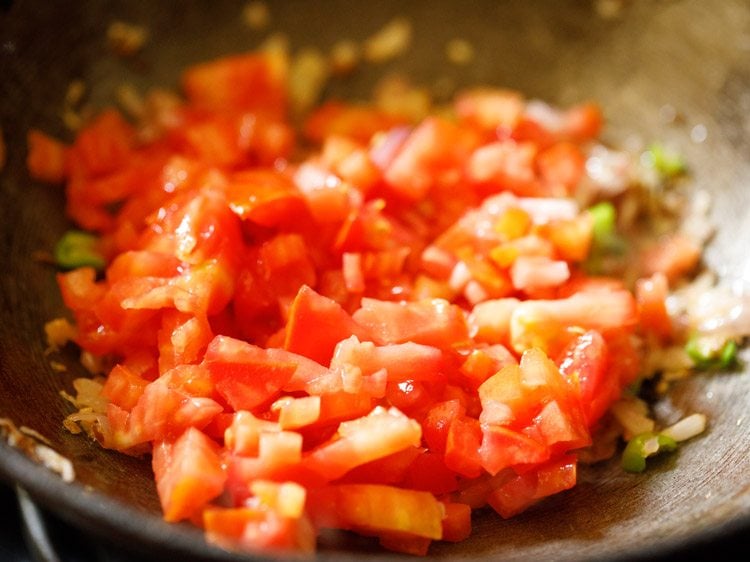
{"points": [[379, 336]]}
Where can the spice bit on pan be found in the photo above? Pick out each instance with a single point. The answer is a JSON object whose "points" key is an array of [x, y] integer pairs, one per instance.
{"points": [[391, 41], [126, 39], [256, 15], [344, 57], [37, 447], [74, 111], [459, 51]]}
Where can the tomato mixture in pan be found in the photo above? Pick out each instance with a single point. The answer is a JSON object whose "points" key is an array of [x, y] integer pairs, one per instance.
{"points": [[364, 319]]}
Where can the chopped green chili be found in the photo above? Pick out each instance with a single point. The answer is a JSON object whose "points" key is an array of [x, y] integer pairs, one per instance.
{"points": [[668, 164], [707, 355], [604, 216], [606, 241], [643, 446], [78, 249]]}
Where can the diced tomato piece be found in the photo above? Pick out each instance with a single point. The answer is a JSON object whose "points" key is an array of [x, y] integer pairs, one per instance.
{"points": [[457, 521], [167, 407], [674, 256], [378, 509], [359, 123], [437, 423], [297, 412], [562, 426], [434, 148], [391, 469], [265, 197], [585, 363], [182, 339], [484, 362], [105, 144], [329, 199], [502, 448], [316, 324], [489, 109], [243, 435], [258, 529], [428, 472], [188, 473], [583, 122], [46, 157], [504, 165], [529, 487], [537, 323], [123, 387], [245, 375], [402, 361], [571, 237], [651, 294], [246, 82], [561, 166], [462, 446], [351, 162], [432, 322], [376, 435]]}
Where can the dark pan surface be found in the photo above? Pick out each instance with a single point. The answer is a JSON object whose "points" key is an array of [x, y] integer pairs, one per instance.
{"points": [[691, 56]]}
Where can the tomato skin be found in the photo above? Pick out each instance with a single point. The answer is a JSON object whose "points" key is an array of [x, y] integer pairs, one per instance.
{"points": [[188, 473]]}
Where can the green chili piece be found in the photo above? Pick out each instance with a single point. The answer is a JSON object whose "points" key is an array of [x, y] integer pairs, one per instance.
{"points": [[643, 446], [604, 221], [706, 355], [78, 249], [668, 164]]}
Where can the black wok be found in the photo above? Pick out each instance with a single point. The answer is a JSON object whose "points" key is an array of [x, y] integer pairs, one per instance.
{"points": [[652, 58]]}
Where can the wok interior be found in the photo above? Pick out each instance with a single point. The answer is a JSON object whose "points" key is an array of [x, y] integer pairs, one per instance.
{"points": [[686, 55]]}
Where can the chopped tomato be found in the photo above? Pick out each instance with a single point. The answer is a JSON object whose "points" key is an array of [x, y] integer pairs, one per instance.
{"points": [[46, 157], [379, 509], [378, 331], [316, 324], [432, 322], [188, 473], [245, 375], [246, 82], [359, 123]]}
